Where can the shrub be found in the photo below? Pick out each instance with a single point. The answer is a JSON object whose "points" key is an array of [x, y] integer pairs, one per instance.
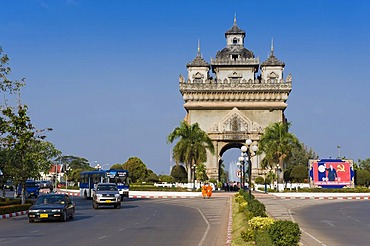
{"points": [[263, 238], [260, 223], [14, 208], [284, 233], [248, 215], [243, 206], [259, 180], [248, 235], [257, 208]]}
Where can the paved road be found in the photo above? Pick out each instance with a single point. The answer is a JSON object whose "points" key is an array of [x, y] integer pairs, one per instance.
{"points": [[180, 221], [324, 221]]}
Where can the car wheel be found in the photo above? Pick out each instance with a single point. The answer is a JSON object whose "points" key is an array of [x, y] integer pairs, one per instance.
{"points": [[31, 220], [64, 217], [118, 206]]}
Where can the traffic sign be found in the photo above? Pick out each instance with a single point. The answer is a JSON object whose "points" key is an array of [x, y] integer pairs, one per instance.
{"points": [[239, 174]]}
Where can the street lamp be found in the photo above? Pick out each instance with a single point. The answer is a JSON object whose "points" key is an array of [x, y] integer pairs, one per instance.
{"points": [[277, 177], [265, 172], [193, 168], [247, 155], [98, 167], [240, 164]]}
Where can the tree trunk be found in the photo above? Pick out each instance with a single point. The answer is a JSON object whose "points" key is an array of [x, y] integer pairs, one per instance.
{"points": [[189, 174], [23, 194]]}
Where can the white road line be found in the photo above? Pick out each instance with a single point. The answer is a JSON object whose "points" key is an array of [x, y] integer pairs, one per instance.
{"points": [[206, 232], [308, 234], [102, 237]]}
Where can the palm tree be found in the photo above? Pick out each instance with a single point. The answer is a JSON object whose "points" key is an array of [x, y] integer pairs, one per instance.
{"points": [[192, 145], [277, 144]]}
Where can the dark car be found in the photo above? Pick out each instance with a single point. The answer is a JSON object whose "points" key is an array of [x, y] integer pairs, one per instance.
{"points": [[9, 185], [52, 207]]}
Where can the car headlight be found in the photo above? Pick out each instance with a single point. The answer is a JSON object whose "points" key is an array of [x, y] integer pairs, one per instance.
{"points": [[33, 211], [56, 210], [99, 195], [117, 195]]}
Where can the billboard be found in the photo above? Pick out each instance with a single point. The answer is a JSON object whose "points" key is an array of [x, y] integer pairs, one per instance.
{"points": [[331, 173]]}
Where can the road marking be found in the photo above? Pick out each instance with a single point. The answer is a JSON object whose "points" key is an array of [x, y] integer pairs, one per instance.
{"points": [[102, 237], [122, 229], [308, 234], [206, 232], [329, 222]]}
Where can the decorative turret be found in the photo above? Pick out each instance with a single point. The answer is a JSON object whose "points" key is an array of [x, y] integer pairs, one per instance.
{"points": [[198, 69], [272, 69], [235, 63]]}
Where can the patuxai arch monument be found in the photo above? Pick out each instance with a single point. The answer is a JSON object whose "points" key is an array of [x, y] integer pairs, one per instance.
{"points": [[241, 98]]}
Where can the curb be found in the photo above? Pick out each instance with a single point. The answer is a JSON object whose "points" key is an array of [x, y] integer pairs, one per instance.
{"points": [[6, 216], [230, 224], [152, 197], [324, 197]]}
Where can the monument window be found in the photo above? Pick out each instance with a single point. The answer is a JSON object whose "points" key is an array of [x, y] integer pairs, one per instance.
{"points": [[234, 57], [235, 41]]}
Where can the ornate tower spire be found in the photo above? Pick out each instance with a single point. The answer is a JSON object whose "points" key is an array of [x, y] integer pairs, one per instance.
{"points": [[198, 54], [272, 47], [235, 19]]}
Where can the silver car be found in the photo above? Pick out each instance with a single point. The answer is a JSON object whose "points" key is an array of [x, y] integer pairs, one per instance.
{"points": [[106, 194]]}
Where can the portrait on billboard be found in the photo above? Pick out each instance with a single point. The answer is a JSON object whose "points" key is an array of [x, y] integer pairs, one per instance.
{"points": [[331, 173]]}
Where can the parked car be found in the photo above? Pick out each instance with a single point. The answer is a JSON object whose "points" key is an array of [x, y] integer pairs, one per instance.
{"points": [[52, 207], [32, 189], [46, 184], [106, 194], [61, 184], [9, 185]]}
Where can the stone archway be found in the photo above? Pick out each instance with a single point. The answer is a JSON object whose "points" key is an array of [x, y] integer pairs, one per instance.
{"points": [[238, 102]]}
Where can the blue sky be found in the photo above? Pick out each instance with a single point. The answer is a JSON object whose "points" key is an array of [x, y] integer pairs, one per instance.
{"points": [[104, 74]]}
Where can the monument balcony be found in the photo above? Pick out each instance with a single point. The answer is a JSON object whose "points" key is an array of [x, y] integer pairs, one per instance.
{"points": [[232, 62]]}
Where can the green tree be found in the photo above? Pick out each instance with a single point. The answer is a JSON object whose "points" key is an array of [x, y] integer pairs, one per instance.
{"points": [[73, 166], [179, 173], [364, 164], [136, 168], [27, 152], [299, 173], [116, 167], [201, 172], [223, 173], [23, 150], [277, 144], [192, 145], [362, 177], [166, 178], [152, 178]]}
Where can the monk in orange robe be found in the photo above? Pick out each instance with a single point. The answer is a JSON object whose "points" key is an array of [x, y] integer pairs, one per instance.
{"points": [[209, 191]]}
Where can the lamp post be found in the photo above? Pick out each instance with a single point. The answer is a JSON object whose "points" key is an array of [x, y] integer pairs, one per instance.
{"points": [[240, 165], [277, 177], [193, 168], [247, 155], [265, 172]]}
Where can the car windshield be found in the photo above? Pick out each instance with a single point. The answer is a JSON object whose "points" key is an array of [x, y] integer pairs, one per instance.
{"points": [[50, 200], [107, 187]]}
